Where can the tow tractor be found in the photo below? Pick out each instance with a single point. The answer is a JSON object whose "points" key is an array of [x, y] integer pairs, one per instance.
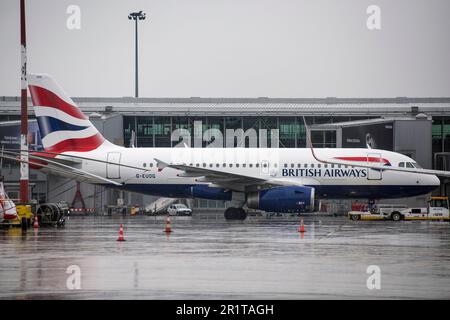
{"points": [[437, 209]]}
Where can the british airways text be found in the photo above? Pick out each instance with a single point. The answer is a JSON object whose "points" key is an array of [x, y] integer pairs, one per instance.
{"points": [[325, 173]]}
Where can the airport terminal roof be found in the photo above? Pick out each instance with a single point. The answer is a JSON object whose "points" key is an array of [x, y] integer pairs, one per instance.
{"points": [[254, 106], [343, 124]]}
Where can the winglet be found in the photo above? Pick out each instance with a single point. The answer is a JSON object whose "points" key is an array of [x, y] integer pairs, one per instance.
{"points": [[308, 138]]}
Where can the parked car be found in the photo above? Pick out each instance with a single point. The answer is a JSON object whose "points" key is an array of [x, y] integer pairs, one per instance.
{"points": [[179, 210]]}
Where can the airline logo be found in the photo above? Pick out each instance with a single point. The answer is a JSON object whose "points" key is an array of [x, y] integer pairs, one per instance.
{"points": [[372, 160], [62, 125], [325, 173], [345, 172]]}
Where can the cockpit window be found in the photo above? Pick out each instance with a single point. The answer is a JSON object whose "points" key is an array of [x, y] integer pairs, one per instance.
{"points": [[415, 164], [409, 165], [401, 164]]}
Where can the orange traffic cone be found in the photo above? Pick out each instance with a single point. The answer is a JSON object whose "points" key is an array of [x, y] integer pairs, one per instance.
{"points": [[302, 227], [36, 222], [168, 228], [121, 238]]}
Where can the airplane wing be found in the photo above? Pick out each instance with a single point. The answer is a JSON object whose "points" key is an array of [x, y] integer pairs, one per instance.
{"points": [[230, 181]]}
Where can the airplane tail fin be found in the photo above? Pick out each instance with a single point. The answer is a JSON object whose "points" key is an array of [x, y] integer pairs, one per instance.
{"points": [[63, 127]]}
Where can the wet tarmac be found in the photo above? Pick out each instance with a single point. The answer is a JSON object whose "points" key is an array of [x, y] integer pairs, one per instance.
{"points": [[211, 258]]}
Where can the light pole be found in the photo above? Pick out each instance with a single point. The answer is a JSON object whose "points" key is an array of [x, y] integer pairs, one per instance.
{"points": [[24, 170], [136, 16]]}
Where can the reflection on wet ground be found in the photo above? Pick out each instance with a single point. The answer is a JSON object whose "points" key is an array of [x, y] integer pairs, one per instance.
{"points": [[211, 258]]}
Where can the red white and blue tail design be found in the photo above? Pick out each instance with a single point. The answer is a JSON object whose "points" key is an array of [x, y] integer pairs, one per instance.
{"points": [[63, 127]]}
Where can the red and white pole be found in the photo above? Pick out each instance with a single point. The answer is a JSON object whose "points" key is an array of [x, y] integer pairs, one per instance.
{"points": [[24, 109]]}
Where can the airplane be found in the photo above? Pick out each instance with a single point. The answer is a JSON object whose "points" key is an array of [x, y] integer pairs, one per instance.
{"points": [[267, 179]]}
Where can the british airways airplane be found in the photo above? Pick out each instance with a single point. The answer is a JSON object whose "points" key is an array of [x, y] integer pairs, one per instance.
{"points": [[268, 179]]}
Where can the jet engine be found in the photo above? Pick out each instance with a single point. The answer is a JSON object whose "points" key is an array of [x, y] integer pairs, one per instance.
{"points": [[282, 199]]}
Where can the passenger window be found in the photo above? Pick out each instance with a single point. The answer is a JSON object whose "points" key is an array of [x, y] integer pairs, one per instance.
{"points": [[144, 164], [265, 165], [319, 165], [244, 165], [197, 164], [292, 165], [276, 165], [257, 165], [217, 165], [224, 165], [312, 165], [285, 165], [210, 165], [305, 165], [204, 165], [230, 165], [250, 165], [237, 165]]}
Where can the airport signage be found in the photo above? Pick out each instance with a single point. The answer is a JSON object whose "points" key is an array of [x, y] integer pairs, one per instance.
{"points": [[374, 136], [10, 135]]}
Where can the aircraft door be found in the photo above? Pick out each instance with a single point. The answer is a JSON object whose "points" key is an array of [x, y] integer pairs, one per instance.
{"points": [[374, 159], [113, 167], [265, 167]]}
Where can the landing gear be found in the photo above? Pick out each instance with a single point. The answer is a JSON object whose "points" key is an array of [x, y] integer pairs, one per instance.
{"points": [[235, 214]]}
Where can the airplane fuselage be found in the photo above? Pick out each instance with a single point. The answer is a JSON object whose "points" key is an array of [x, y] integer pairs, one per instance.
{"points": [[295, 165]]}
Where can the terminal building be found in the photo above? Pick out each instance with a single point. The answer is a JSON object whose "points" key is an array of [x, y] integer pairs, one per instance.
{"points": [[417, 127]]}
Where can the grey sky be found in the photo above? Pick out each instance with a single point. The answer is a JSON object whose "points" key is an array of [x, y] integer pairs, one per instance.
{"points": [[231, 48]]}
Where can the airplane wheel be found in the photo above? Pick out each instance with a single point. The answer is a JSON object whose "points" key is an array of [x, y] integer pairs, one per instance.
{"points": [[235, 214], [355, 217], [242, 214]]}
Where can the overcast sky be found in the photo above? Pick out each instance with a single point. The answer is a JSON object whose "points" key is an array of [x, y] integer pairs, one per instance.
{"points": [[234, 48]]}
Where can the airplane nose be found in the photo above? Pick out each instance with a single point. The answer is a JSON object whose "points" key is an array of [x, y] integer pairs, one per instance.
{"points": [[435, 181]]}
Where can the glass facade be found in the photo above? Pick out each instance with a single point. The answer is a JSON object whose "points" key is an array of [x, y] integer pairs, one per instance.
{"points": [[144, 133], [162, 129], [323, 138], [441, 142], [155, 131], [292, 132], [129, 125]]}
